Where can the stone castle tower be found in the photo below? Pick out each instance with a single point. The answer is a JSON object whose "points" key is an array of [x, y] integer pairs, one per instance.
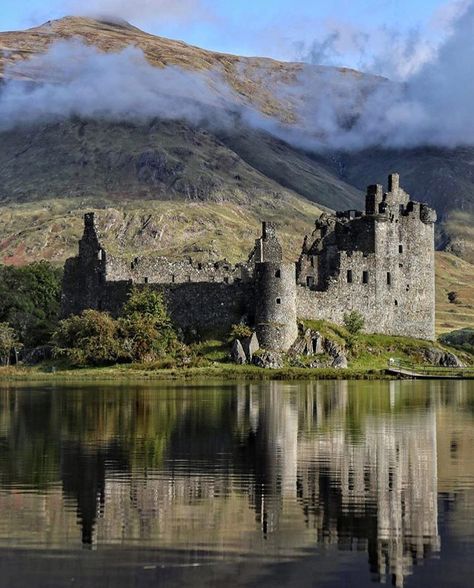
{"points": [[275, 284], [379, 262]]}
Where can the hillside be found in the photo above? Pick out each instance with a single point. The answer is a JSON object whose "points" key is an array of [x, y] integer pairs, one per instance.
{"points": [[117, 161]]}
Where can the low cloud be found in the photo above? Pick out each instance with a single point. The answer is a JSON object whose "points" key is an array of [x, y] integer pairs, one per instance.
{"points": [[79, 80], [334, 109]]}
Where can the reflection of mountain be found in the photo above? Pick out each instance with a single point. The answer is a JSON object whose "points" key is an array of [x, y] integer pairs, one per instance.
{"points": [[267, 469]]}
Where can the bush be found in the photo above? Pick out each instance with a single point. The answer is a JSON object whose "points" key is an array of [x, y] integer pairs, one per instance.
{"points": [[354, 322], [88, 339], [145, 327]]}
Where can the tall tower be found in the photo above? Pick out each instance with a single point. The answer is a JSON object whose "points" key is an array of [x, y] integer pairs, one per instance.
{"points": [[275, 313]]}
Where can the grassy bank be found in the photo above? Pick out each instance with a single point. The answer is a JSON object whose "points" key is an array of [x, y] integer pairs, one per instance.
{"points": [[368, 356]]}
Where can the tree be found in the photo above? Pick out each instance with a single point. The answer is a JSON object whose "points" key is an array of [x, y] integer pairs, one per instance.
{"points": [[354, 322], [89, 339], [30, 300], [8, 342], [146, 328]]}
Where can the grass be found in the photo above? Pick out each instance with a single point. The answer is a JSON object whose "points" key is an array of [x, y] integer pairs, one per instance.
{"points": [[220, 371]]}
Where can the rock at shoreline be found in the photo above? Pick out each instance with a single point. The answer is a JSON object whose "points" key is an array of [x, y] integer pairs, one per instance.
{"points": [[268, 359], [237, 353], [250, 346]]}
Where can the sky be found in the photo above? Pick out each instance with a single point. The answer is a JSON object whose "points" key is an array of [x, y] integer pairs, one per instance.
{"points": [[335, 32]]}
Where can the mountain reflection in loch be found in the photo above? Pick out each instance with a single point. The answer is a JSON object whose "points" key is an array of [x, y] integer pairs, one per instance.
{"points": [[275, 484]]}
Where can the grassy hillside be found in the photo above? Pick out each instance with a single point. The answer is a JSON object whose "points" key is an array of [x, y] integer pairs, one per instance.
{"points": [[51, 228]]}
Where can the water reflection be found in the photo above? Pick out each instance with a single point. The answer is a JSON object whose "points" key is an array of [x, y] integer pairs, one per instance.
{"points": [[270, 471]]}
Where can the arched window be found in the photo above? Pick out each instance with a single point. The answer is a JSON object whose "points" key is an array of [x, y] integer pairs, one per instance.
{"points": [[278, 274]]}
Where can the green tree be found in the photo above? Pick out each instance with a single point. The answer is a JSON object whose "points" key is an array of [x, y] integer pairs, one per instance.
{"points": [[8, 343], [146, 328], [89, 339], [354, 322], [30, 300]]}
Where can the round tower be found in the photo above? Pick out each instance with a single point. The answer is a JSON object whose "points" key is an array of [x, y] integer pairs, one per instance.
{"points": [[275, 313]]}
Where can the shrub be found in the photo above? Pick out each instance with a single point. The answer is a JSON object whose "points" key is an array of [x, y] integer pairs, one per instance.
{"points": [[354, 322], [8, 342], [240, 331], [145, 327], [88, 339]]}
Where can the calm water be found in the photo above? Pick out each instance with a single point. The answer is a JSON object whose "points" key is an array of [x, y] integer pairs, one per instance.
{"points": [[268, 484]]}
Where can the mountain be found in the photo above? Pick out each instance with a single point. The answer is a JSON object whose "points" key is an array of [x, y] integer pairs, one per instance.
{"points": [[176, 186]]}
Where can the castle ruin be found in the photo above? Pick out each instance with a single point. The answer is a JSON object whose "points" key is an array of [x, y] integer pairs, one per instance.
{"points": [[379, 262]]}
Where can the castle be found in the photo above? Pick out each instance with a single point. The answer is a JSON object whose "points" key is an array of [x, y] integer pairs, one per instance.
{"points": [[379, 262]]}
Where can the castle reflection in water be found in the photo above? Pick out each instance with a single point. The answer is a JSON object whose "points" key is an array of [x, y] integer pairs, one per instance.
{"points": [[273, 469]]}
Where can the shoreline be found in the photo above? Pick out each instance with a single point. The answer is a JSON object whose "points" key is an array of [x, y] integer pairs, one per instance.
{"points": [[227, 371]]}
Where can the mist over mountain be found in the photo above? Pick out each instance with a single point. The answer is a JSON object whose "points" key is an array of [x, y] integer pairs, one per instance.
{"points": [[98, 111]]}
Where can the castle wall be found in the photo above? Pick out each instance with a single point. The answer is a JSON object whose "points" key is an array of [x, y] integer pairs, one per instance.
{"points": [[159, 270], [201, 307]]}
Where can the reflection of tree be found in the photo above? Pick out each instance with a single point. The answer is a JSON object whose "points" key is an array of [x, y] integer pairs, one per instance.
{"points": [[349, 464]]}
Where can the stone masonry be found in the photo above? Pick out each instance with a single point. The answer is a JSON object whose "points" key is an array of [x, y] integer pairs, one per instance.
{"points": [[379, 262]]}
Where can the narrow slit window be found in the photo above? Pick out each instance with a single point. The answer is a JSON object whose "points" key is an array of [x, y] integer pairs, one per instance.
{"points": [[365, 277], [349, 276], [400, 249], [278, 274], [145, 280], [389, 279]]}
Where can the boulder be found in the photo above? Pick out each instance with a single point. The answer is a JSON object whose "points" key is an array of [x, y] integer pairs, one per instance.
{"points": [[268, 359], [250, 345], [442, 358], [237, 353]]}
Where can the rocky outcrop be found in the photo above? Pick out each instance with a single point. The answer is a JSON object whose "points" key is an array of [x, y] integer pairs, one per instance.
{"points": [[336, 353], [268, 359], [313, 343], [310, 343]]}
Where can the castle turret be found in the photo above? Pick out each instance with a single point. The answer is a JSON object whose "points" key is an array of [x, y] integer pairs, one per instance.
{"points": [[275, 313], [85, 274]]}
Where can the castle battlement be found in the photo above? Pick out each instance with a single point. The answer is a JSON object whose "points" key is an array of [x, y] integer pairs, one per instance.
{"points": [[379, 261]]}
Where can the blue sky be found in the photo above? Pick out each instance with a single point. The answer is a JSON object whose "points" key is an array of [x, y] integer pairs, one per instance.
{"points": [[248, 27]]}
